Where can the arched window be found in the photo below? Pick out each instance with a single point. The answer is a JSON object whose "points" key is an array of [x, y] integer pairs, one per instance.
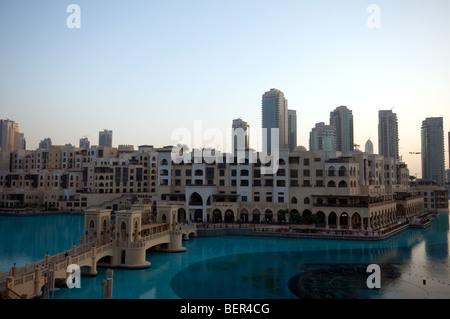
{"points": [[342, 184], [331, 184], [306, 200], [331, 171], [196, 199], [123, 231], [342, 171], [294, 200]]}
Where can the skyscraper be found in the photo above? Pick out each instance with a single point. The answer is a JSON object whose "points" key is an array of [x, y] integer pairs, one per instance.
{"points": [[388, 134], [9, 135], [433, 157], [105, 138], [240, 135], [342, 120], [275, 116], [322, 138], [292, 129]]}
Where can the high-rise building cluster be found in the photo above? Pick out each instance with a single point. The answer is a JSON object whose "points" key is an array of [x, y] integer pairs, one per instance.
{"points": [[343, 187]]}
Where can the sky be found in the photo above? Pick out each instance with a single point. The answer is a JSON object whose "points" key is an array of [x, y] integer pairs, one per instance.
{"points": [[145, 68]]}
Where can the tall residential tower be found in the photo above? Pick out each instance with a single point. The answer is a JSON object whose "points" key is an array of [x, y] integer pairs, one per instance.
{"points": [[105, 138], [322, 138], [292, 129], [342, 120], [240, 135], [388, 134], [274, 116], [10, 139], [433, 157]]}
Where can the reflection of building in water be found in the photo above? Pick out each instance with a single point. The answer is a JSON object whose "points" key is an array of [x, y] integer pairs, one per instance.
{"points": [[436, 246]]}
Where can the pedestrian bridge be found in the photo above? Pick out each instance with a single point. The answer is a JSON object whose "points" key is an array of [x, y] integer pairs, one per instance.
{"points": [[120, 242]]}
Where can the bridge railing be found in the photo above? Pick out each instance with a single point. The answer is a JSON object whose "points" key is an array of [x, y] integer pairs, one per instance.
{"points": [[77, 253], [142, 241]]}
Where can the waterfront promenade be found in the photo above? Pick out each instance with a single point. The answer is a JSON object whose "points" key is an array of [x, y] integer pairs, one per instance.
{"points": [[299, 231]]}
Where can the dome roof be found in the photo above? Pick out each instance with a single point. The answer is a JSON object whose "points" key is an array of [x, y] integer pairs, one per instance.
{"points": [[300, 149]]}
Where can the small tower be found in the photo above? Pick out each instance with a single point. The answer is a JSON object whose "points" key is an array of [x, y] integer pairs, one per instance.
{"points": [[369, 147], [97, 226], [169, 214], [128, 249]]}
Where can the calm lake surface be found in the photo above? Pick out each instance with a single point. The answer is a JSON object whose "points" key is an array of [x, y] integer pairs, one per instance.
{"points": [[414, 264]]}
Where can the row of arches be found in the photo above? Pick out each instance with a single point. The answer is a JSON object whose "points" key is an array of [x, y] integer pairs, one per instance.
{"points": [[342, 171], [321, 219], [341, 184]]}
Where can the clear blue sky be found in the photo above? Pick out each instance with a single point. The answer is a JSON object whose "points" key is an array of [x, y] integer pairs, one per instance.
{"points": [[144, 68]]}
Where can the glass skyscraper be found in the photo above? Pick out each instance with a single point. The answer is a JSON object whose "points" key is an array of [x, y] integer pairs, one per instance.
{"points": [[433, 156], [274, 116], [388, 134], [322, 138], [105, 138], [342, 120]]}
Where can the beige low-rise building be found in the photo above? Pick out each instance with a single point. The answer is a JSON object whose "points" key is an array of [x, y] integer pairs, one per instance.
{"points": [[360, 190]]}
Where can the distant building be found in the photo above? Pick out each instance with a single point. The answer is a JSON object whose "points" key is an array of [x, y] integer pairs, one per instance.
{"points": [[292, 129], [241, 134], [342, 119], [105, 138], [22, 142], [9, 135], [433, 157], [322, 138], [275, 116], [388, 134], [45, 143], [84, 143], [369, 147]]}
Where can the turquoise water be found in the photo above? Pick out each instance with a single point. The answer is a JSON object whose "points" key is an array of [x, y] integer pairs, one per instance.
{"points": [[250, 267]]}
